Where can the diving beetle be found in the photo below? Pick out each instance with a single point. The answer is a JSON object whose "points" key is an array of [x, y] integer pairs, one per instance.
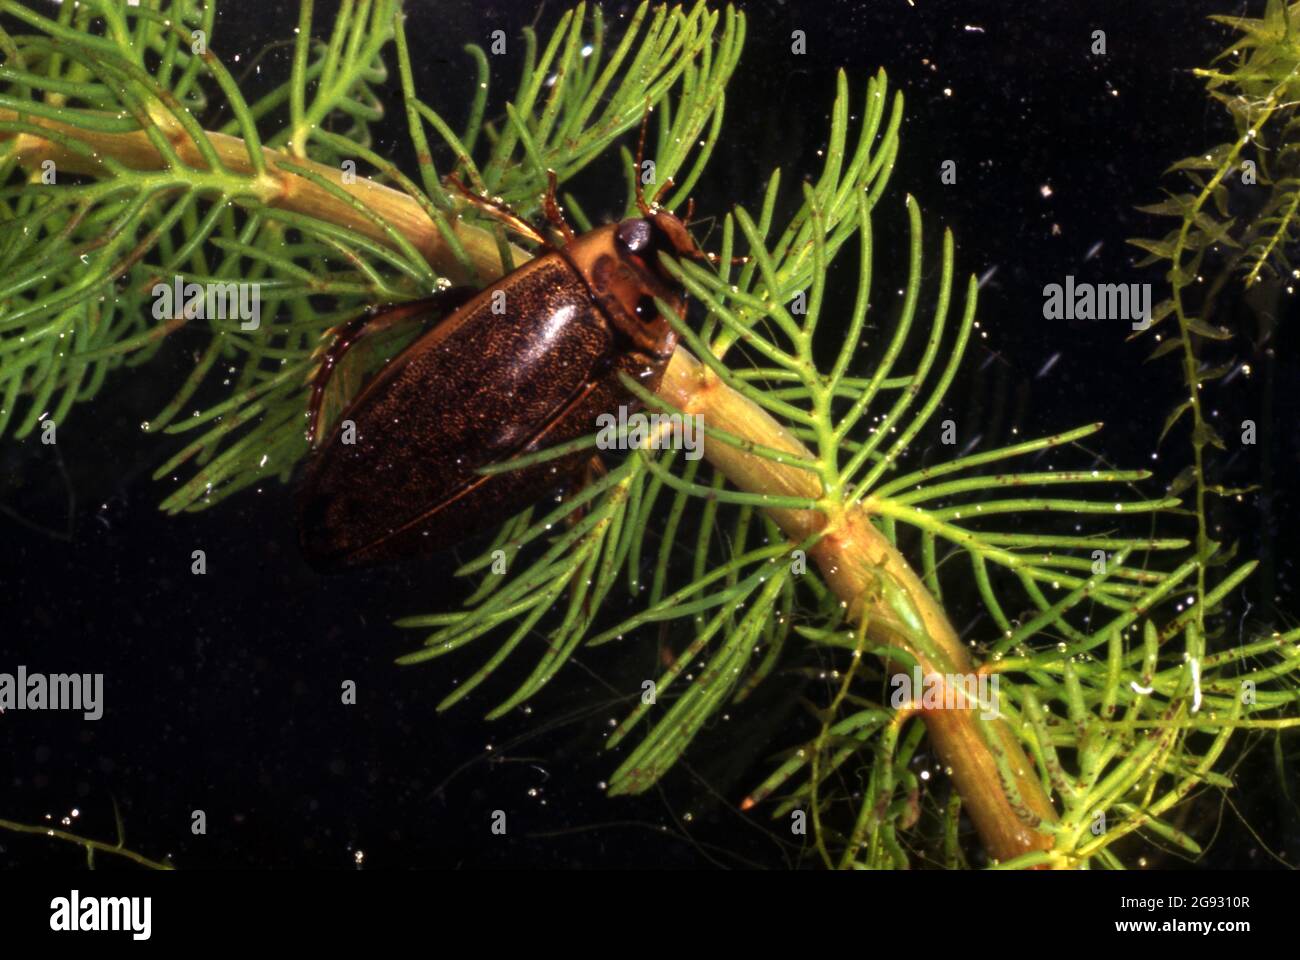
{"points": [[485, 386]]}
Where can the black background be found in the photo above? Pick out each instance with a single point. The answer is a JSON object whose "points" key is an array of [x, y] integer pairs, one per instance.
{"points": [[223, 690]]}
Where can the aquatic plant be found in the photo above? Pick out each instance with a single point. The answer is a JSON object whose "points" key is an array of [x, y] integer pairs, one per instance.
{"points": [[1116, 699], [1235, 225]]}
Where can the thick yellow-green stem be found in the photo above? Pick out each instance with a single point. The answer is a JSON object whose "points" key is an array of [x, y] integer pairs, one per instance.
{"points": [[1005, 804], [276, 187], [995, 779]]}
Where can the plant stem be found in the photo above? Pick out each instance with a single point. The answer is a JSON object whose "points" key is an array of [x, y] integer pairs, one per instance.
{"points": [[276, 187], [116, 849], [996, 781]]}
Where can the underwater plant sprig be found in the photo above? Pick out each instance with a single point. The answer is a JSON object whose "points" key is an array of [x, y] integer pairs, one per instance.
{"points": [[802, 461], [1219, 240]]}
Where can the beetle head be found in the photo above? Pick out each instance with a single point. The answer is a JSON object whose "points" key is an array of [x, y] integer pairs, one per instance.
{"points": [[657, 231], [638, 242]]}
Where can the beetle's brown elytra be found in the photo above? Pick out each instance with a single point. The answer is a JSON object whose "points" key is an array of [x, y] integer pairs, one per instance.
{"points": [[524, 364]]}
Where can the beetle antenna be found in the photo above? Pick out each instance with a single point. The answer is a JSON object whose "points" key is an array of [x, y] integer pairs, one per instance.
{"points": [[700, 252]]}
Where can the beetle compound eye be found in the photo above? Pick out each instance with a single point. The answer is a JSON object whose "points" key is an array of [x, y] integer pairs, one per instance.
{"points": [[634, 234]]}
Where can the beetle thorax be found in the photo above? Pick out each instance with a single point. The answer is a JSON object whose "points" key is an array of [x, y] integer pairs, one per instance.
{"points": [[620, 262]]}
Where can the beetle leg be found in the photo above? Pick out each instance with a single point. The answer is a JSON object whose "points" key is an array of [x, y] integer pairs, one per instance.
{"points": [[593, 471], [659, 194], [640, 156], [735, 261], [498, 211], [553, 214], [348, 334]]}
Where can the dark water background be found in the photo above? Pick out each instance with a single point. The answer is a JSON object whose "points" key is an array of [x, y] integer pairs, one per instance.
{"points": [[223, 691]]}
